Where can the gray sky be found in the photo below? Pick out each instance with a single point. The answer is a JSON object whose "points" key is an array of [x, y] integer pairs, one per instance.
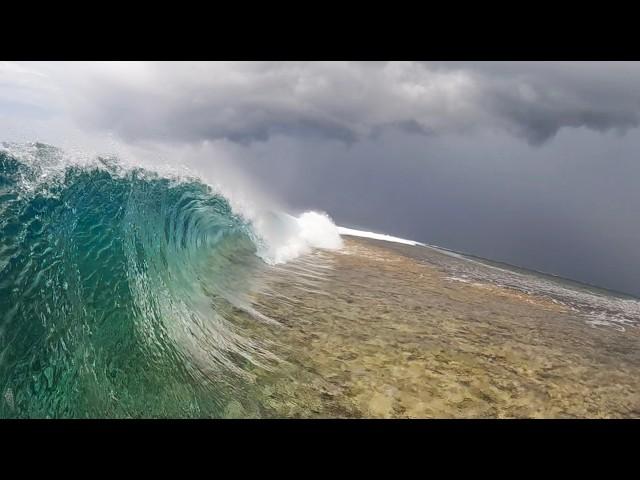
{"points": [[530, 163]]}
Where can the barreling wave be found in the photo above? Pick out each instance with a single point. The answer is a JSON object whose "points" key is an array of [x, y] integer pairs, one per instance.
{"points": [[114, 283]]}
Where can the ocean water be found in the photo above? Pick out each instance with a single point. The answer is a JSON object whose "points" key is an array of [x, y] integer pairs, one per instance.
{"points": [[130, 293], [113, 286]]}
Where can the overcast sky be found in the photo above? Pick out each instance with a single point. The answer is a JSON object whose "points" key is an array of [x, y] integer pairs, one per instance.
{"points": [[534, 164]]}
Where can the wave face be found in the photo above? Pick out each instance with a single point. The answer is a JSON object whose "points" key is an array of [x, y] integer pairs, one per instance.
{"points": [[114, 283]]}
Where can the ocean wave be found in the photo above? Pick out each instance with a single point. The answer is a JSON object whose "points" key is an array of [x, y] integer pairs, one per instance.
{"points": [[115, 280]]}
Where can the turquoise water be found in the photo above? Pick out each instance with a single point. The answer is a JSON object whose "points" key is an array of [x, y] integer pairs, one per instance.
{"points": [[113, 288]]}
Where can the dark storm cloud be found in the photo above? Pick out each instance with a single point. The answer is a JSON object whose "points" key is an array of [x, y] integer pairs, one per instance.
{"points": [[540, 121], [351, 101], [537, 102], [348, 101]]}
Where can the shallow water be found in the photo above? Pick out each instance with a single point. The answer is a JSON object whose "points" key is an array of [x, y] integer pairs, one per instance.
{"points": [[382, 330]]}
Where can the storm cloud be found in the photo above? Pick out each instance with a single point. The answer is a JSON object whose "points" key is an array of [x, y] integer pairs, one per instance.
{"points": [[348, 101], [531, 163]]}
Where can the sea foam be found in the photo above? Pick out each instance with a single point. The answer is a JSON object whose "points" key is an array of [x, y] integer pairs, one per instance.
{"points": [[287, 237]]}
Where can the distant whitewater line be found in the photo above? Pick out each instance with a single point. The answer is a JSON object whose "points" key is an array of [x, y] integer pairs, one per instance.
{"points": [[376, 236], [389, 238]]}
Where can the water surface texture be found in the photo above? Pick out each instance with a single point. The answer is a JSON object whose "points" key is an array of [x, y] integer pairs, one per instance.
{"points": [[125, 293]]}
